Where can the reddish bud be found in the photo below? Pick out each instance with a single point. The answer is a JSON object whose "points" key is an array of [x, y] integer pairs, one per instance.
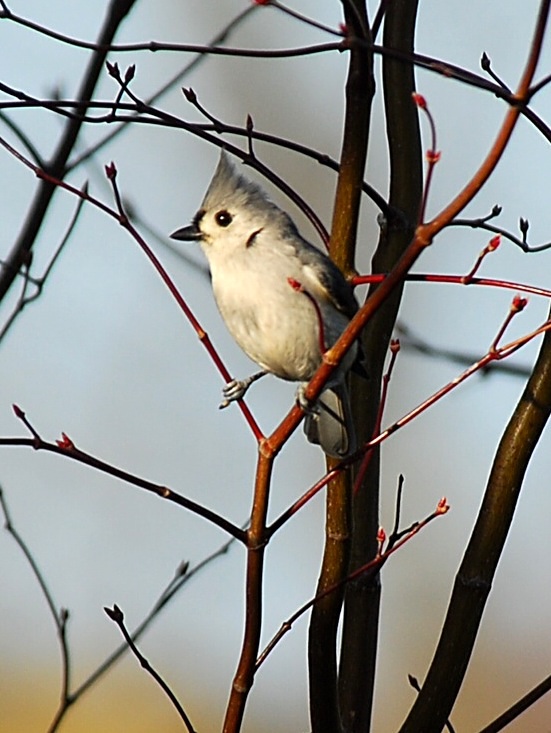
{"points": [[494, 243], [442, 507], [343, 29], [65, 443], [485, 62], [381, 538], [129, 74], [419, 100], [519, 304], [433, 156], [295, 284], [111, 171], [394, 346], [19, 413], [113, 70], [261, 2]]}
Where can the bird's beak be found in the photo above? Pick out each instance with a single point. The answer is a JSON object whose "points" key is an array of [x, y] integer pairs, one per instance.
{"points": [[191, 233]]}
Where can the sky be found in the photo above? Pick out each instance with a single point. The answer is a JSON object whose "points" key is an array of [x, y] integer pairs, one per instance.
{"points": [[105, 356]]}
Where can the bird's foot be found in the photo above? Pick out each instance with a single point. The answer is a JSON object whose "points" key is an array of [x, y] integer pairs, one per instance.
{"points": [[309, 408], [236, 389]]}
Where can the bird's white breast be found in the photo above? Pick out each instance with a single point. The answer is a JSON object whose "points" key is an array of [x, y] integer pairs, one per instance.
{"points": [[275, 325]]}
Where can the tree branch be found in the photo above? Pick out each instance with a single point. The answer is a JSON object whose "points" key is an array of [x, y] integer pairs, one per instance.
{"points": [[325, 713], [474, 579], [118, 9], [360, 630]]}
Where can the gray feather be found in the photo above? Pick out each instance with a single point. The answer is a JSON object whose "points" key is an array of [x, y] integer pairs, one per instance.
{"points": [[331, 426]]}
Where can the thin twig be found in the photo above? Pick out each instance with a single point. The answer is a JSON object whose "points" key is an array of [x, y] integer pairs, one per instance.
{"points": [[248, 158], [116, 615], [373, 565], [177, 78], [123, 220], [116, 12], [303, 18], [519, 707], [414, 682], [66, 448], [24, 139], [478, 365], [60, 617], [39, 282]]}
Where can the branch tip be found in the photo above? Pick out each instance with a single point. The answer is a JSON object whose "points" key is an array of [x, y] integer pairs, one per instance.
{"points": [[419, 100], [111, 171], [113, 70], [381, 539], [518, 304], [19, 413], [524, 225], [485, 62], [394, 346], [189, 94], [65, 442], [182, 569], [115, 614], [295, 284], [442, 507], [493, 244]]}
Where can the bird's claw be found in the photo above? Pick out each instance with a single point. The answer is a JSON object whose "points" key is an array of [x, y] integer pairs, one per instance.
{"points": [[305, 404], [234, 390]]}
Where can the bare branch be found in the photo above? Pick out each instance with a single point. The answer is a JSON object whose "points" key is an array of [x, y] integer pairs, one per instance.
{"points": [[163, 492], [116, 615]]}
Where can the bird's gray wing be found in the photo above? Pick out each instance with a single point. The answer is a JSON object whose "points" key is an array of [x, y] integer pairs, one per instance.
{"points": [[337, 289], [330, 278], [331, 425]]}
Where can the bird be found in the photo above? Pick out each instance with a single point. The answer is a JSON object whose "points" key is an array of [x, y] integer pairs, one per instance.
{"points": [[282, 299]]}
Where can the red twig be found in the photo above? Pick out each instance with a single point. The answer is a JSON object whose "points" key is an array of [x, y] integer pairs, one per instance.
{"points": [[457, 280], [432, 155], [375, 564], [495, 353], [492, 245], [298, 287], [394, 350], [123, 220]]}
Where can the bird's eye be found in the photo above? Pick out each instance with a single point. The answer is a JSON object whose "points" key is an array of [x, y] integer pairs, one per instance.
{"points": [[223, 218]]}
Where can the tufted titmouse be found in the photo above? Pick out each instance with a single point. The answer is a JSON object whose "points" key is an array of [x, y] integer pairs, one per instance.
{"points": [[283, 300]]}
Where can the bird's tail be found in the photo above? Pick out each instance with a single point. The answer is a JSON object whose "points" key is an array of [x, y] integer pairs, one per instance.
{"points": [[331, 425]]}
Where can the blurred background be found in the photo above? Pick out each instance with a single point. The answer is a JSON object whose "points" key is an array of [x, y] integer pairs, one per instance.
{"points": [[106, 356]]}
